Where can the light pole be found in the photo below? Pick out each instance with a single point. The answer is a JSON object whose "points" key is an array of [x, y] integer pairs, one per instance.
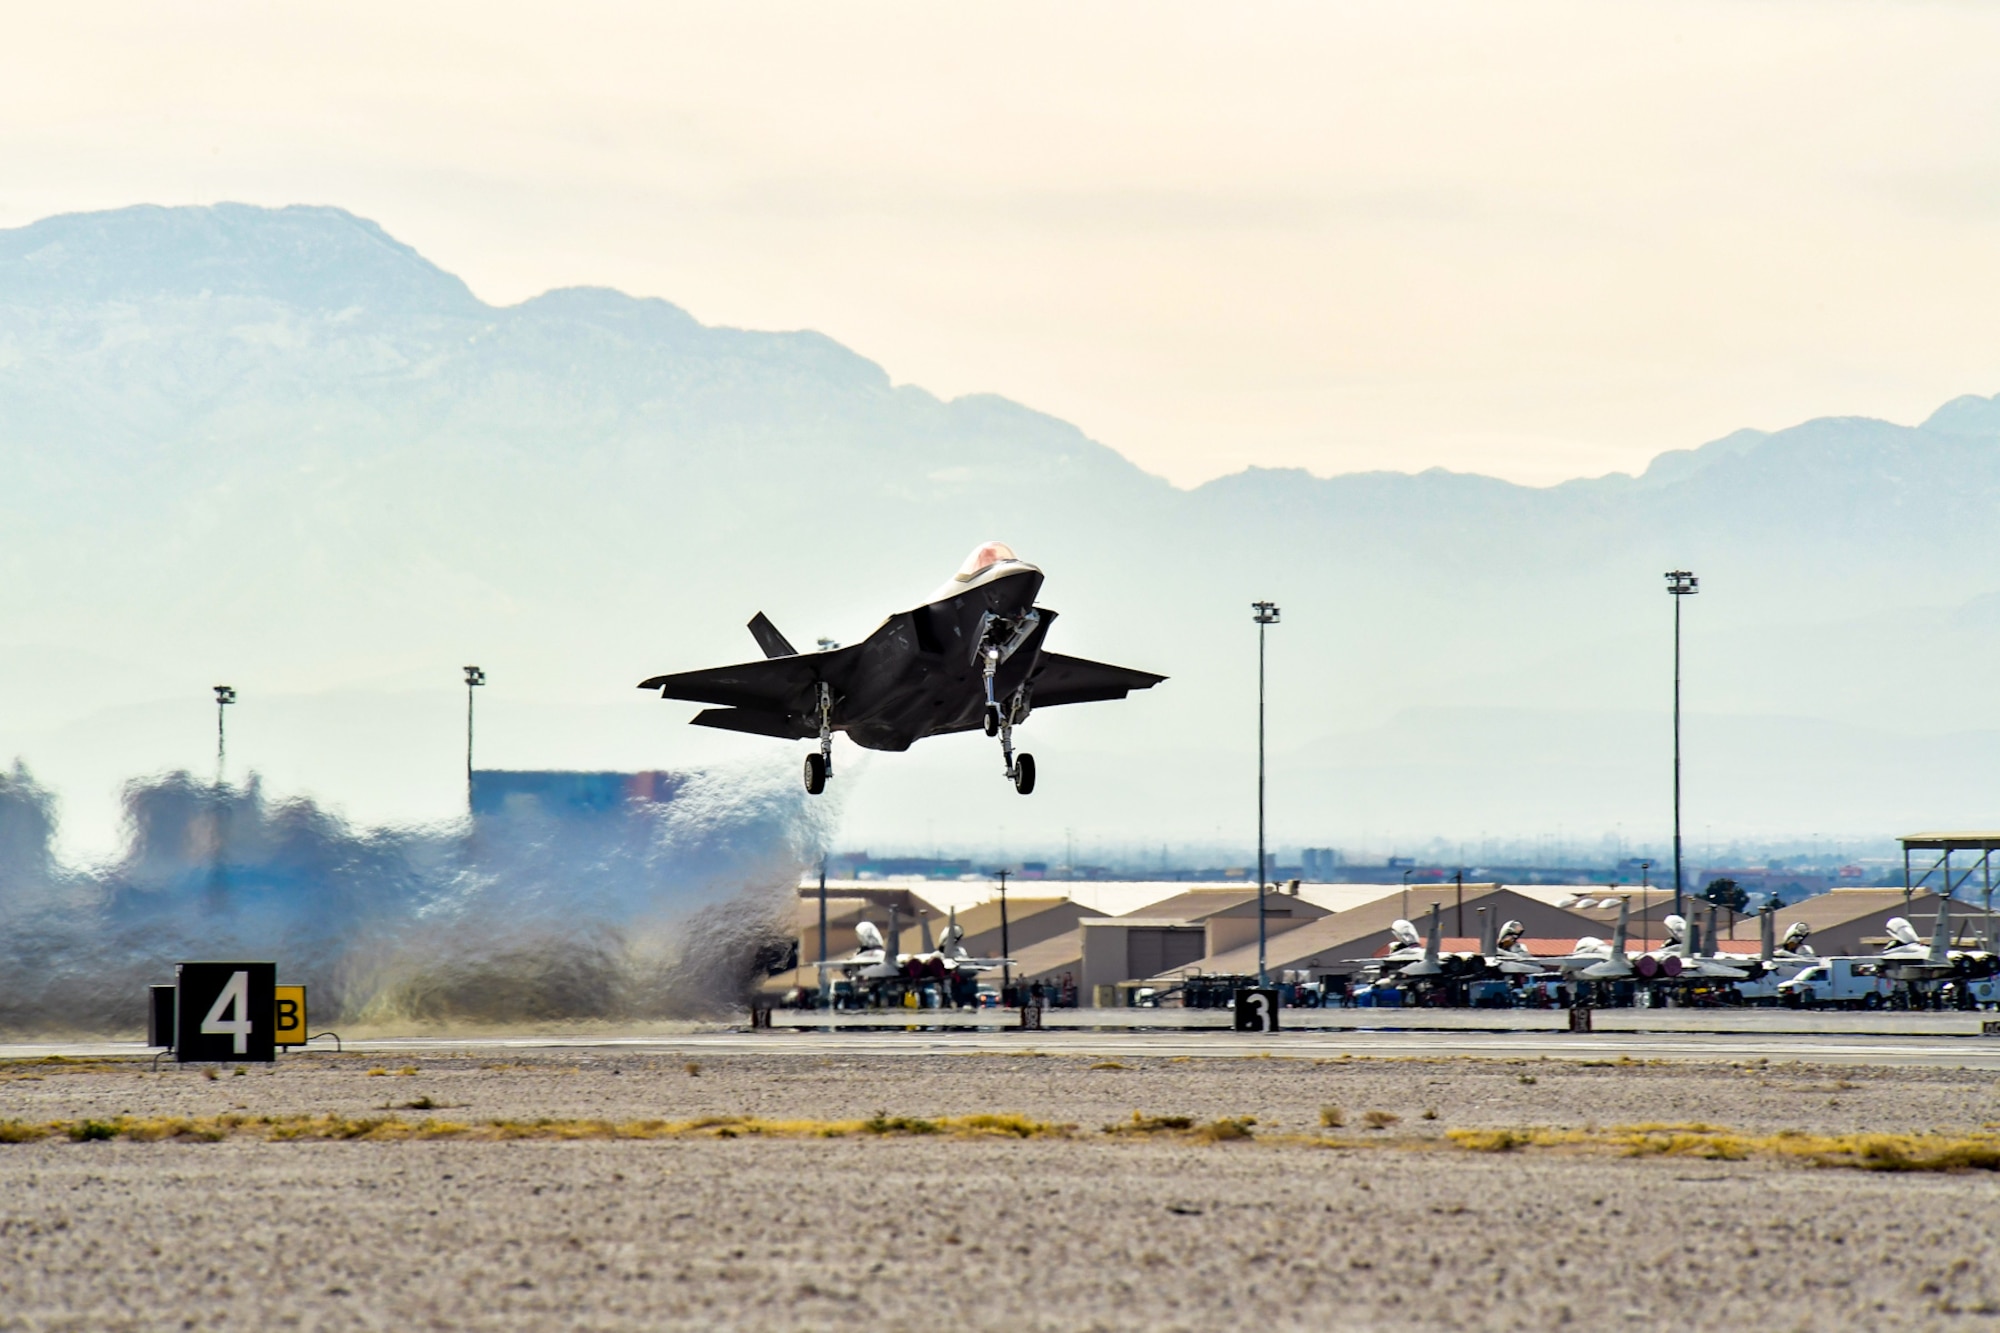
{"points": [[225, 695], [474, 678], [1006, 968], [828, 996], [1645, 887], [1266, 614], [1680, 584]]}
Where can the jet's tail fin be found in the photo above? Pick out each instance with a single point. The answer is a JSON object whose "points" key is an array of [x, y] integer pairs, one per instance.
{"points": [[1767, 934], [1489, 933], [1618, 935], [766, 634], [1941, 937], [1432, 941]]}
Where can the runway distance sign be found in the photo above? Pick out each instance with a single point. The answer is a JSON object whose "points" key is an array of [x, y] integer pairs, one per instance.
{"points": [[226, 1011], [1256, 1009], [290, 1029]]}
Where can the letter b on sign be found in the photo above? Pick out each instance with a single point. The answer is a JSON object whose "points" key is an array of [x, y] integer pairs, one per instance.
{"points": [[1257, 1010], [225, 1011], [291, 1025]]}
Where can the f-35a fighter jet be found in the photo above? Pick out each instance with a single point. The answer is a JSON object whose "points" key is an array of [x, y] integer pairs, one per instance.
{"points": [[970, 656]]}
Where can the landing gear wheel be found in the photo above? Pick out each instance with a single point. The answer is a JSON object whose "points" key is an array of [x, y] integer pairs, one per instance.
{"points": [[993, 719], [1024, 773], [815, 774]]}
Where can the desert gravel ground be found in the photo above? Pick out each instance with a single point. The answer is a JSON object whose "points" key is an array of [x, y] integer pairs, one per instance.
{"points": [[1091, 1231]]}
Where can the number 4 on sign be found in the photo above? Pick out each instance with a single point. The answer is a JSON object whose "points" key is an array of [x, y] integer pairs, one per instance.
{"points": [[235, 998]]}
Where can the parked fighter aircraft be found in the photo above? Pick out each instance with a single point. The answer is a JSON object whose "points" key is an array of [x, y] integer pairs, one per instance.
{"points": [[1684, 959], [1594, 959], [970, 656], [877, 962], [1910, 959], [1426, 963], [1415, 957]]}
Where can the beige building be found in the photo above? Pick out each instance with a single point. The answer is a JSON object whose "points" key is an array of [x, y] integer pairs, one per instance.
{"points": [[1337, 943], [1855, 921], [1180, 931]]}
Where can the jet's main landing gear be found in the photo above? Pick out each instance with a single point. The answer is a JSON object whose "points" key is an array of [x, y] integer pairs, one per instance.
{"points": [[819, 766]]}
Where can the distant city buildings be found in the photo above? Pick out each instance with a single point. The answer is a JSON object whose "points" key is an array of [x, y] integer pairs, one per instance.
{"points": [[1318, 863], [1790, 878]]}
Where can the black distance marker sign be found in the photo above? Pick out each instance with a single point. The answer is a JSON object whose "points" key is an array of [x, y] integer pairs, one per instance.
{"points": [[226, 1011], [1257, 1009]]}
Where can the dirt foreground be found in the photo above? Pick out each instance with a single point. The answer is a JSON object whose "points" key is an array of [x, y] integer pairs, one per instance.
{"points": [[791, 1190]]}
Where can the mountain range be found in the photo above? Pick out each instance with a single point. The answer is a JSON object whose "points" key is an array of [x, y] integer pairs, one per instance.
{"points": [[278, 448]]}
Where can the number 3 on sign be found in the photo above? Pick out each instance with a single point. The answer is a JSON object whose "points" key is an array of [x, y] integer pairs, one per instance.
{"points": [[1256, 1010], [235, 998]]}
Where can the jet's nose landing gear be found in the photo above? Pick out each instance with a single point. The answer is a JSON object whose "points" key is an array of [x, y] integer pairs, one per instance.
{"points": [[819, 766]]}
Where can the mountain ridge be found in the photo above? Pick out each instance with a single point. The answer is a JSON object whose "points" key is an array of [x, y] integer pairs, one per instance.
{"points": [[280, 445]]}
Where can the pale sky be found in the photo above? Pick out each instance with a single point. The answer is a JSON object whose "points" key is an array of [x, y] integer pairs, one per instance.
{"points": [[1537, 240]]}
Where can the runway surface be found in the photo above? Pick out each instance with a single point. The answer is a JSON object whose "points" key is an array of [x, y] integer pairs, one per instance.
{"points": [[660, 1179], [1849, 1048]]}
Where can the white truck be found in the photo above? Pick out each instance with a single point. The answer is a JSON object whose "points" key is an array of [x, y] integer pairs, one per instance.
{"points": [[1838, 983]]}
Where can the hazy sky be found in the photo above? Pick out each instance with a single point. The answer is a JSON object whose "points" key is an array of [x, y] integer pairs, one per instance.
{"points": [[1535, 240]]}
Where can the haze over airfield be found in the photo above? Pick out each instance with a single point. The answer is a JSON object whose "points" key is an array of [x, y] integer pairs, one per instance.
{"points": [[1534, 241], [1534, 245]]}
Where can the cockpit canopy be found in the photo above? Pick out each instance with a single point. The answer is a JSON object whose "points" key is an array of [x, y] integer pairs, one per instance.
{"points": [[984, 556]]}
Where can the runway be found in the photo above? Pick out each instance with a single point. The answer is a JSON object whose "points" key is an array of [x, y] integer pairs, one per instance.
{"points": [[743, 1179], [1887, 1048]]}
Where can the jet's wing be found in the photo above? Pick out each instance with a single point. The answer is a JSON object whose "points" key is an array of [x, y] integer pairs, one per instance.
{"points": [[785, 726], [1072, 680], [774, 697]]}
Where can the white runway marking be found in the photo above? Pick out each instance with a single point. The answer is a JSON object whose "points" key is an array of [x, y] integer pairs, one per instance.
{"points": [[1970, 1052]]}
